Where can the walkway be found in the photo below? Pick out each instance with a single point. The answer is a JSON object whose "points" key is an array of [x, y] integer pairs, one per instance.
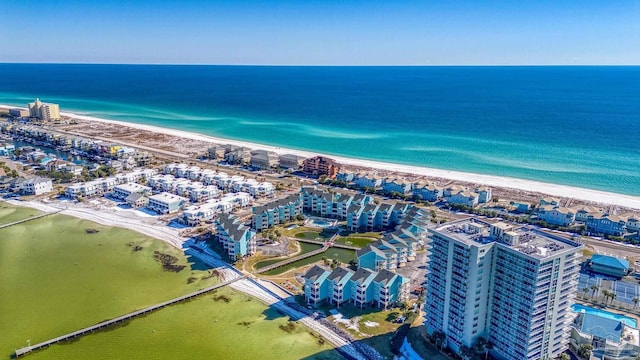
{"points": [[90, 329], [325, 245], [333, 244], [29, 219]]}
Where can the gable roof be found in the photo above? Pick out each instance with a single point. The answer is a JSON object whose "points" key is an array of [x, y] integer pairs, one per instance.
{"points": [[315, 273], [339, 274], [385, 277]]}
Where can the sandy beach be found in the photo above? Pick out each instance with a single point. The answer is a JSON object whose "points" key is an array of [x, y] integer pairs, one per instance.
{"points": [[557, 190]]}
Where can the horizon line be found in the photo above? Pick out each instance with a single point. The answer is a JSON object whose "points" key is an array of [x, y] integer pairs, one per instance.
{"points": [[322, 65]]}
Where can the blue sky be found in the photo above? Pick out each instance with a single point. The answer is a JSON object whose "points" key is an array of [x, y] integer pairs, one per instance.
{"points": [[322, 32]]}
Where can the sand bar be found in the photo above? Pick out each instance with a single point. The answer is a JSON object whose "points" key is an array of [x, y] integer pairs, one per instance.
{"points": [[489, 180]]}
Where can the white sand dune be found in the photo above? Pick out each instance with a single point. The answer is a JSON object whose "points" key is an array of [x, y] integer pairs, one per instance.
{"points": [[489, 180]]}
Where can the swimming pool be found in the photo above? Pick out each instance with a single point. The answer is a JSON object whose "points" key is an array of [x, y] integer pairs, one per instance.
{"points": [[606, 314], [320, 222]]}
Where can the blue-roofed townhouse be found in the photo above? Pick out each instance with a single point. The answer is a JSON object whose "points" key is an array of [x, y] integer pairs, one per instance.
{"points": [[484, 194], [427, 191], [459, 195], [354, 213], [611, 338], [366, 180], [339, 287], [606, 224], [316, 288], [522, 207], [237, 239], [372, 258], [362, 287], [389, 288], [609, 265], [396, 185], [556, 215]]}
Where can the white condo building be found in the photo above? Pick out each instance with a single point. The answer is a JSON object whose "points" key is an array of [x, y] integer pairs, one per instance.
{"points": [[512, 286]]}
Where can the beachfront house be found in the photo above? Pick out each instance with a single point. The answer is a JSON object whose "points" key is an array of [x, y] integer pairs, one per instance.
{"points": [[606, 224], [549, 201], [264, 160], [216, 152], [366, 180], [556, 215], [240, 156], [459, 195], [426, 191], [396, 185], [37, 186], [583, 212], [291, 161], [484, 194], [235, 238]]}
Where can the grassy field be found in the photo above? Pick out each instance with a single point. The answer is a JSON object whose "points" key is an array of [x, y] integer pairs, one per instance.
{"points": [[222, 325], [55, 277], [343, 255], [9, 213]]}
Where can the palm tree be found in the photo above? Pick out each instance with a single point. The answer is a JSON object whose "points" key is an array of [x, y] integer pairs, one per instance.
{"points": [[466, 352], [585, 290], [635, 303], [594, 290]]}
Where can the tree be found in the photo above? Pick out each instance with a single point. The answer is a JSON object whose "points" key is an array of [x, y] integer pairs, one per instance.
{"points": [[585, 350], [300, 217], [635, 302], [564, 356], [594, 290], [585, 290]]}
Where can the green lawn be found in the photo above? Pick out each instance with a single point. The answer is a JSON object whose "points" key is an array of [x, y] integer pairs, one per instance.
{"points": [[308, 235], [355, 241], [56, 278], [9, 213], [222, 325]]}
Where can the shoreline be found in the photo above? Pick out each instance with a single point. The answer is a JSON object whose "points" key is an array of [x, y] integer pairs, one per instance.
{"points": [[558, 190]]}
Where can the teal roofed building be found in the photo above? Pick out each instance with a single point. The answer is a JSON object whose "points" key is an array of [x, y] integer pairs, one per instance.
{"points": [[609, 265]]}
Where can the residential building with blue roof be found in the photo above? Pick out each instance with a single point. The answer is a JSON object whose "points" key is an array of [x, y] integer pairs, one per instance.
{"points": [[609, 265]]}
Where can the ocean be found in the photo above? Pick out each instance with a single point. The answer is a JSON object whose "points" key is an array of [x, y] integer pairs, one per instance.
{"points": [[576, 126]]}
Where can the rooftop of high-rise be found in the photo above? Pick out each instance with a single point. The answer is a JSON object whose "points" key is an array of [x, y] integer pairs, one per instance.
{"points": [[525, 239]]}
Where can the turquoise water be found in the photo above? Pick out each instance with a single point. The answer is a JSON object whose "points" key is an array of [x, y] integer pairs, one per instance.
{"points": [[605, 314], [566, 125]]}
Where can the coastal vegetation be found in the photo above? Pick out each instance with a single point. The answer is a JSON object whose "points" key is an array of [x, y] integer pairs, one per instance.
{"points": [[9, 213]]}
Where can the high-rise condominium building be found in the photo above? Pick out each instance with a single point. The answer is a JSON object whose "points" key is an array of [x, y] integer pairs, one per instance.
{"points": [[513, 286], [44, 111]]}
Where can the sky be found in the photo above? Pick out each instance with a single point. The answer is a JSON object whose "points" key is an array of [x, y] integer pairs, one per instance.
{"points": [[321, 32]]}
